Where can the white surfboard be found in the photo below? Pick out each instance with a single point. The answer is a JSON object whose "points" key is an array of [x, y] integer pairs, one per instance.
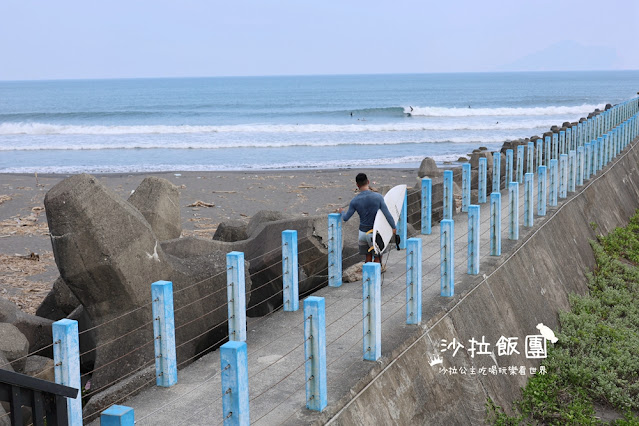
{"points": [[382, 231]]}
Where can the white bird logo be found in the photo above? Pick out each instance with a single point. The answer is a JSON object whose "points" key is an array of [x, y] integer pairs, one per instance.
{"points": [[546, 332]]}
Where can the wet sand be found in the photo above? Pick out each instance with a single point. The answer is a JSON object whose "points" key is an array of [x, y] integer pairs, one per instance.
{"points": [[26, 279]]}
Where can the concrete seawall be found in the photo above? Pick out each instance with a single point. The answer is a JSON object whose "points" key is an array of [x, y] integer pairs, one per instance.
{"points": [[529, 284]]}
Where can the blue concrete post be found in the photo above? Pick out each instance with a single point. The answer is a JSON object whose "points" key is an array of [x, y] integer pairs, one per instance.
{"points": [[402, 226], [554, 183], [448, 194], [540, 152], [465, 187], [427, 205], [563, 175], [496, 171], [562, 142], [606, 148], [315, 352], [447, 257], [593, 161], [66, 358], [236, 296], [495, 224], [473, 240], [483, 178], [569, 139], [513, 211], [414, 281], [520, 163], [509, 166], [117, 415], [587, 160], [541, 191], [290, 271], [372, 310], [580, 134], [528, 199], [164, 333], [599, 153], [530, 152], [235, 389], [580, 166], [334, 250], [572, 170], [547, 149], [555, 146]]}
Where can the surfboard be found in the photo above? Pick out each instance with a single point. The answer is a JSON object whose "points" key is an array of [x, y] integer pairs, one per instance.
{"points": [[382, 231]]}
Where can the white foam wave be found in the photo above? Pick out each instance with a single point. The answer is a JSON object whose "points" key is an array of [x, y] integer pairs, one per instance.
{"points": [[499, 112], [411, 161], [153, 144], [12, 128]]}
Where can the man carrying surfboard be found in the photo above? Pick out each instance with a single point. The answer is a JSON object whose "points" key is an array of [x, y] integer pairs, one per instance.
{"points": [[366, 204]]}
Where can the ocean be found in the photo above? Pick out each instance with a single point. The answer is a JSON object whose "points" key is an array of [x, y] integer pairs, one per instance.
{"points": [[291, 122]]}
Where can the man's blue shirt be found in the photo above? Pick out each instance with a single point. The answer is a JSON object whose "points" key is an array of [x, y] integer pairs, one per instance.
{"points": [[366, 204]]}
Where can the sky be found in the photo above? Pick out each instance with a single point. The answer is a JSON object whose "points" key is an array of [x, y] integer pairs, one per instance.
{"points": [[198, 38]]}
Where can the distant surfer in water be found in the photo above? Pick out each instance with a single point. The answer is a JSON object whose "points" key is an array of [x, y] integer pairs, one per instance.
{"points": [[411, 108], [366, 204], [351, 113]]}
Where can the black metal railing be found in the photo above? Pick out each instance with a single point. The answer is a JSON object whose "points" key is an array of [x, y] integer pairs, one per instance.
{"points": [[48, 400]]}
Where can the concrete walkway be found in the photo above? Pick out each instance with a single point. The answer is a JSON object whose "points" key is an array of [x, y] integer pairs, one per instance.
{"points": [[275, 342]]}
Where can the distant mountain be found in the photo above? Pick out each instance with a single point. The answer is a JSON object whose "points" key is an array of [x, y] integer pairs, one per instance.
{"points": [[566, 55]]}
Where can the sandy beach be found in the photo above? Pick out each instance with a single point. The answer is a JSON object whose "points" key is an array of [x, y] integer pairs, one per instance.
{"points": [[26, 278]]}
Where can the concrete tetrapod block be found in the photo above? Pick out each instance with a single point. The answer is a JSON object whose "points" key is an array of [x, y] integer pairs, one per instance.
{"points": [[159, 202], [14, 346]]}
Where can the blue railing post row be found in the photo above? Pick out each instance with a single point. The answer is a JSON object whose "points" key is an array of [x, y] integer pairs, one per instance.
{"points": [[164, 333], [235, 389], [496, 171], [530, 152], [520, 164], [513, 211], [547, 150], [568, 139], [541, 191], [236, 296], [414, 281], [528, 199], [580, 166], [473, 239], [572, 170], [509, 166], [495, 224], [448, 194], [290, 271], [562, 142], [427, 205], [554, 182], [372, 311], [66, 358], [334, 250], [563, 175], [482, 181], [315, 352], [402, 223], [465, 187], [540, 152], [555, 146], [117, 415], [447, 253]]}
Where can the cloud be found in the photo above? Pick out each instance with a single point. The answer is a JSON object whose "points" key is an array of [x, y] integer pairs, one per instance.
{"points": [[566, 55]]}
